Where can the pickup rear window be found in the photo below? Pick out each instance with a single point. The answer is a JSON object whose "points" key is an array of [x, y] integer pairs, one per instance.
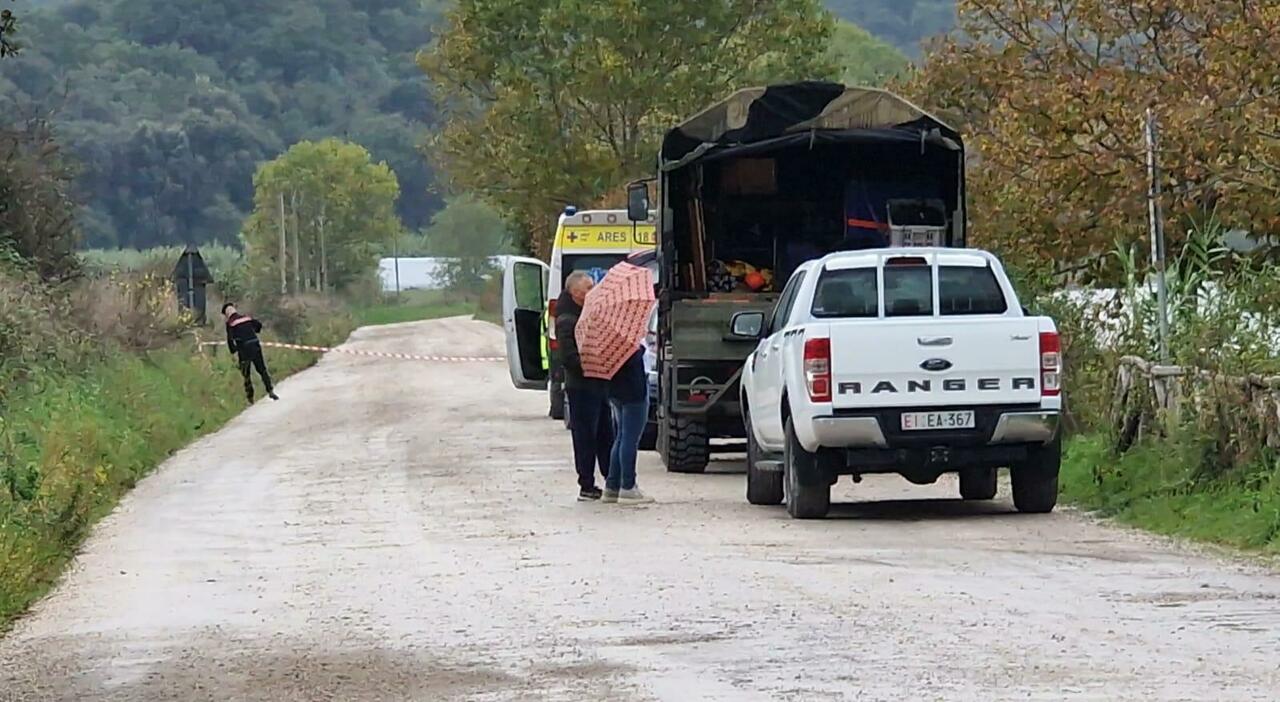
{"points": [[908, 292]]}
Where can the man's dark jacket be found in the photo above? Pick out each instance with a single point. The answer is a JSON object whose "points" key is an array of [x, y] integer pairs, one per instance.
{"points": [[567, 313], [242, 331]]}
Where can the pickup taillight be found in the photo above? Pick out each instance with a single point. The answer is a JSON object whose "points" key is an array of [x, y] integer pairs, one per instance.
{"points": [[817, 369], [1050, 364]]}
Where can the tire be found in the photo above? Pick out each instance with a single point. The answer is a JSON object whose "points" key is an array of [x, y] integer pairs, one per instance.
{"points": [[808, 492], [764, 487], [558, 403], [1035, 482], [687, 448], [978, 483]]}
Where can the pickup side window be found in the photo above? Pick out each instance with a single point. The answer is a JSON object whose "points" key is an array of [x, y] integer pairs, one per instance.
{"points": [[782, 312], [847, 293], [969, 290], [908, 291]]}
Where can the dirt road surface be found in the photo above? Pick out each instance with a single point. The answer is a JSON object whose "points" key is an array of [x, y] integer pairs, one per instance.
{"points": [[398, 530]]}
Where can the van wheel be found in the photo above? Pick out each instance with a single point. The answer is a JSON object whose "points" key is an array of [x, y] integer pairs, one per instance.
{"points": [[557, 401], [808, 491], [687, 447], [764, 487], [978, 483], [1035, 481]]}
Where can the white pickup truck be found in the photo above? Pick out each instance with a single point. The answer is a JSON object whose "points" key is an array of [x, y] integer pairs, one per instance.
{"points": [[916, 361]]}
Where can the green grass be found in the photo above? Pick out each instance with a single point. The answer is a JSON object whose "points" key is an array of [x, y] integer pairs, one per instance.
{"points": [[1157, 487], [417, 305], [71, 446]]}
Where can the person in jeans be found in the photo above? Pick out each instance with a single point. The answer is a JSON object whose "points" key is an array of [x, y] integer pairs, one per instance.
{"points": [[589, 420], [629, 400]]}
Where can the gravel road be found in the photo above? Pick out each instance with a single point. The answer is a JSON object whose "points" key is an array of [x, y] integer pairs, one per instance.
{"points": [[398, 530]]}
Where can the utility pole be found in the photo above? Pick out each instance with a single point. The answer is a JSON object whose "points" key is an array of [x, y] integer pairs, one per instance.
{"points": [[395, 256], [284, 280], [1157, 233], [324, 261], [297, 243]]}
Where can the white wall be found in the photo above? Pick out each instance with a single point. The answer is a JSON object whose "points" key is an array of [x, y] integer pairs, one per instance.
{"points": [[415, 273]]}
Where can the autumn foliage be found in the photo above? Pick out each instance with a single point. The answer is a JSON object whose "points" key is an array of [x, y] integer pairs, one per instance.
{"points": [[1051, 95]]}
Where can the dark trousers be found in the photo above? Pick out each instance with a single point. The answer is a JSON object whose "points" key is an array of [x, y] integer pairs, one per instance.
{"points": [[250, 358], [592, 426]]}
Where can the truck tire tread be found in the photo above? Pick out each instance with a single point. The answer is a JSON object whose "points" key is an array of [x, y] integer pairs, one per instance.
{"points": [[687, 446]]}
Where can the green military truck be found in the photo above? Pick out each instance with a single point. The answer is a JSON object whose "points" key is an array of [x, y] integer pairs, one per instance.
{"points": [[752, 187]]}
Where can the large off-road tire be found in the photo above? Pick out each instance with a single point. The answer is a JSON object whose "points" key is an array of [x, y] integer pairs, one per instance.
{"points": [[978, 483], [764, 487], [1035, 481], [808, 490], [558, 400], [687, 447]]}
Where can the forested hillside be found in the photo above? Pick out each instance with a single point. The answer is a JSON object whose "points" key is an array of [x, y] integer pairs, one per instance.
{"points": [[903, 23], [170, 105]]}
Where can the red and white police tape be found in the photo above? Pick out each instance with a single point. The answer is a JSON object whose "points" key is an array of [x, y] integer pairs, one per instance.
{"points": [[375, 354]]}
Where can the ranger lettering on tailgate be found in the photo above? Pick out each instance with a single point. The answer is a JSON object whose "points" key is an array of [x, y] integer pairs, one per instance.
{"points": [[949, 385]]}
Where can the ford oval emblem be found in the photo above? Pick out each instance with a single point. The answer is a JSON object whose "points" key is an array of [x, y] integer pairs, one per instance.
{"points": [[936, 364]]}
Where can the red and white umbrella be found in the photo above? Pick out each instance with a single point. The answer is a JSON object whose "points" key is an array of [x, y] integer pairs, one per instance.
{"points": [[614, 320]]}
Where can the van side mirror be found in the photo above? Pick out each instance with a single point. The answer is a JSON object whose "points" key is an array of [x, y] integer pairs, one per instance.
{"points": [[747, 325], [638, 202]]}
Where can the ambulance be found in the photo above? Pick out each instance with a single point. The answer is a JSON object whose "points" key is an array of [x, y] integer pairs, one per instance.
{"points": [[591, 241]]}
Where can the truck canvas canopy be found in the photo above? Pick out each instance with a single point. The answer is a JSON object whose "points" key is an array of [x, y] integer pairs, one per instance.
{"points": [[771, 177]]}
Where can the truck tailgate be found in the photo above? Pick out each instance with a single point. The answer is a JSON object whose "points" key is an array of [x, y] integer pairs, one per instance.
{"points": [[931, 362]]}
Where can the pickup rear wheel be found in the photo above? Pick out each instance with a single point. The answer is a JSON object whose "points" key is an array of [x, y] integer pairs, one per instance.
{"points": [[808, 490], [764, 487], [686, 446], [978, 484], [1035, 481]]}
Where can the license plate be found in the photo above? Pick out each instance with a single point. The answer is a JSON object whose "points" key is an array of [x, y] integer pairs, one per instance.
{"points": [[923, 421]]}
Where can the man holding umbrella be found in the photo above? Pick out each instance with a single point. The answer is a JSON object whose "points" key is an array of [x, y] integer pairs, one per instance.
{"points": [[613, 322], [589, 420]]}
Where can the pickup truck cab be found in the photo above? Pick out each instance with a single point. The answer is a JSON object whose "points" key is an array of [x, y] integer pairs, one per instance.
{"points": [[918, 361]]}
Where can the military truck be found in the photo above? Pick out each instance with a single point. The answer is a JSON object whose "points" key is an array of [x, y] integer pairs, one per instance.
{"points": [[752, 187]]}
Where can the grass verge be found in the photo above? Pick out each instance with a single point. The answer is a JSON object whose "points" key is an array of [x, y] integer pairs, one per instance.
{"points": [[71, 446], [1161, 488]]}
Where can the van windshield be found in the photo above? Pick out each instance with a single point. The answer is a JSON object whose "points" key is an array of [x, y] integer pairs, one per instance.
{"points": [[594, 265]]}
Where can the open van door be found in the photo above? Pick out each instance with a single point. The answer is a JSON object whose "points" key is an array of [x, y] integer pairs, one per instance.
{"points": [[524, 300]]}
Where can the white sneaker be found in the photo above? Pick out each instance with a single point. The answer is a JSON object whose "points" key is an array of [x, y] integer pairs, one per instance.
{"points": [[609, 496], [633, 497]]}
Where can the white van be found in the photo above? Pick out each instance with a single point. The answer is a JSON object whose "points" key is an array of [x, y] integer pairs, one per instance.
{"points": [[591, 241]]}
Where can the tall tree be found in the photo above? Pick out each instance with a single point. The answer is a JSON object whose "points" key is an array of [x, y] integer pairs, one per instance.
{"points": [[557, 101], [1053, 92], [332, 206], [467, 233]]}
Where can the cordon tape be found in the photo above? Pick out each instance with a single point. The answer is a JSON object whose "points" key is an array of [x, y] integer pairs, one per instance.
{"points": [[375, 354]]}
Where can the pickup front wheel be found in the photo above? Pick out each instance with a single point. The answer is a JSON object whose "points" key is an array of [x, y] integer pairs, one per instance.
{"points": [[978, 484], [1035, 481], [764, 487], [808, 489]]}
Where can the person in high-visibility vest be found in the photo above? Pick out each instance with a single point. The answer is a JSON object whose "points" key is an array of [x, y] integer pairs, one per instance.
{"points": [[546, 343]]}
